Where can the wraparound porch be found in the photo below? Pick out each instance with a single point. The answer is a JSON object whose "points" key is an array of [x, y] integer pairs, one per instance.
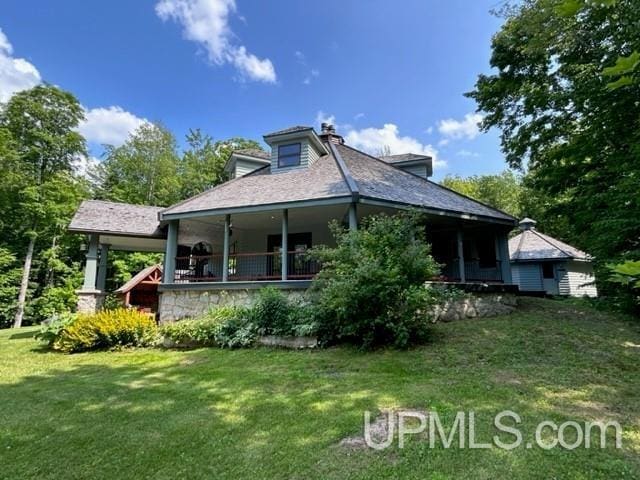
{"points": [[247, 247]]}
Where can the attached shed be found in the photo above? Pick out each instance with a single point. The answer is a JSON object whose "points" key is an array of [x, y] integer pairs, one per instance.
{"points": [[141, 291], [545, 265]]}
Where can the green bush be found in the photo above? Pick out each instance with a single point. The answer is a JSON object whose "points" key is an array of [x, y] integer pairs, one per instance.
{"points": [[274, 314], [206, 331], [51, 330], [106, 329], [628, 275], [237, 332], [370, 291]]}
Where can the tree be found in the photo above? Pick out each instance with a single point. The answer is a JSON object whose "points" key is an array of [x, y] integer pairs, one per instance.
{"points": [[204, 160], [9, 277], [503, 191], [144, 170], [41, 125], [563, 117]]}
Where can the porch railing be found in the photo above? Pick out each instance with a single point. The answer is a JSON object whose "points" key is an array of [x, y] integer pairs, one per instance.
{"points": [[245, 267], [474, 271]]}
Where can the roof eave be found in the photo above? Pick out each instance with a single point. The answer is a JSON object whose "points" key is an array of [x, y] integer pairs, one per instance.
{"points": [[342, 199], [309, 133]]}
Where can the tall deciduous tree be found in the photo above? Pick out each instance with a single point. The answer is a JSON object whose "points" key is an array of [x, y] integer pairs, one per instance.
{"points": [[144, 170], [41, 124], [204, 160], [503, 191], [563, 115]]}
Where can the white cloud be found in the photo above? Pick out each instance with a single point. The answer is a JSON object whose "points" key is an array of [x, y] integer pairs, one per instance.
{"points": [[111, 125], [429, 130], [358, 116], [376, 140], [85, 166], [16, 74], [467, 153], [458, 129], [206, 22], [322, 117]]}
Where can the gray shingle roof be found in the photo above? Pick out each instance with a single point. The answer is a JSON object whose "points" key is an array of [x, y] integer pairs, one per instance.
{"points": [[321, 180], [294, 129], [377, 179], [98, 216], [533, 245], [253, 152], [403, 157], [325, 179]]}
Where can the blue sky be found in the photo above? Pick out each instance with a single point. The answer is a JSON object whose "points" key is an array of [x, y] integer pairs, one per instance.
{"points": [[386, 73]]}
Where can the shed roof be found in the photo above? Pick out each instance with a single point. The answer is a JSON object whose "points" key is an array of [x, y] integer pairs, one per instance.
{"points": [[252, 152], [403, 157], [531, 245], [99, 216], [294, 129], [139, 277]]}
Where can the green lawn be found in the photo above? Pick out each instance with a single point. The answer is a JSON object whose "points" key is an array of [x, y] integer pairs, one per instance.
{"points": [[263, 413]]}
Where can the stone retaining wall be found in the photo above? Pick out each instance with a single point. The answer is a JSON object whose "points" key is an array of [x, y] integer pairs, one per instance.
{"points": [[179, 304], [189, 303], [475, 305]]}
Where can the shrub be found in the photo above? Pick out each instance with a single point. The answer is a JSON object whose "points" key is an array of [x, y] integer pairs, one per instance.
{"points": [[51, 330], [370, 290], [205, 331], [236, 332], [271, 312], [274, 314], [628, 275], [105, 329]]}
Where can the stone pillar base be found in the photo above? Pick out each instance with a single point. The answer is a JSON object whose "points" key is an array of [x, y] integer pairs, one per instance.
{"points": [[90, 301]]}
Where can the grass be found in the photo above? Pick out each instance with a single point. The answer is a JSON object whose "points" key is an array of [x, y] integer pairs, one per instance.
{"points": [[263, 413]]}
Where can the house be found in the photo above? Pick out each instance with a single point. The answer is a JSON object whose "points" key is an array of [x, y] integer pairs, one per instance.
{"points": [[542, 264], [228, 241], [141, 291]]}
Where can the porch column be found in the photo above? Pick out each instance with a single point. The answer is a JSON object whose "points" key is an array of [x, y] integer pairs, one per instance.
{"points": [[225, 248], [91, 267], [353, 217], [460, 239], [285, 244], [502, 254], [171, 250], [102, 267]]}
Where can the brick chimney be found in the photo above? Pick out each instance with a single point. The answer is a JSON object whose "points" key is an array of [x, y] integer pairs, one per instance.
{"points": [[328, 133]]}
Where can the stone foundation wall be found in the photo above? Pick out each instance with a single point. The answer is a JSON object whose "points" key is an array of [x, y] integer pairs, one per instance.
{"points": [[179, 304], [475, 305]]}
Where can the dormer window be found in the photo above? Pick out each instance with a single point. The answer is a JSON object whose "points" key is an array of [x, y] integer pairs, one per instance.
{"points": [[289, 155]]}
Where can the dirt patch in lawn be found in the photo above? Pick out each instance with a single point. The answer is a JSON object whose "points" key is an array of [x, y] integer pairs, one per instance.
{"points": [[379, 428]]}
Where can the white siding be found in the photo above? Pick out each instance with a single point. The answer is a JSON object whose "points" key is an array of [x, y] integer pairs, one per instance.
{"points": [[528, 276], [579, 275], [244, 166], [312, 154], [420, 170]]}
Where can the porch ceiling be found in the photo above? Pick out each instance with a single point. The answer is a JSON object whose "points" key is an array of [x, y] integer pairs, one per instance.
{"points": [[269, 220], [133, 244]]}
